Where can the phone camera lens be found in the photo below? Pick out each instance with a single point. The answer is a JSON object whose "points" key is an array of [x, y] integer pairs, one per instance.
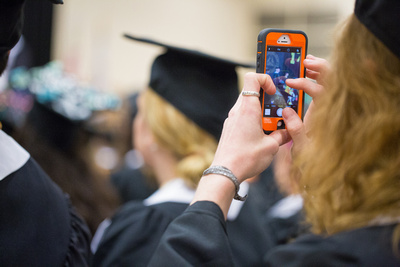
{"points": [[280, 124]]}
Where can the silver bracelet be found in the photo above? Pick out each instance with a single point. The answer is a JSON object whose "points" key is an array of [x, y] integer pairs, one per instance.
{"points": [[227, 173]]}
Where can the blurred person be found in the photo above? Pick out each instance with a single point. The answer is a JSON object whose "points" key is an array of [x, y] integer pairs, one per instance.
{"points": [[20, 55], [38, 225], [264, 190], [285, 218], [129, 179], [135, 181], [57, 131], [347, 154], [13, 104], [179, 121], [276, 194], [277, 73]]}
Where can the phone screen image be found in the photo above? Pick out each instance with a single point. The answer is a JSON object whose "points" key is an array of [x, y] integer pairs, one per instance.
{"points": [[282, 63]]}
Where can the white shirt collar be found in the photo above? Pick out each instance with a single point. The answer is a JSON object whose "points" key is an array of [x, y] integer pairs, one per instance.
{"points": [[287, 207], [12, 155], [173, 191], [177, 191]]}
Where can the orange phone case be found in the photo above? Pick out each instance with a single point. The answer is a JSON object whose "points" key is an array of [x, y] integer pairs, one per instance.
{"points": [[269, 37]]}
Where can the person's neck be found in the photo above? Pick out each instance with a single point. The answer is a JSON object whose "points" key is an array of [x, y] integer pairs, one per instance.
{"points": [[164, 167]]}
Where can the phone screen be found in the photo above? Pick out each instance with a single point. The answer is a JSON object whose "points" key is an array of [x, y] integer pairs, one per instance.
{"points": [[282, 63]]}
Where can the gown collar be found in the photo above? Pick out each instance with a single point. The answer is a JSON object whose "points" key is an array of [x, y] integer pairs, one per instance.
{"points": [[176, 190], [12, 155]]}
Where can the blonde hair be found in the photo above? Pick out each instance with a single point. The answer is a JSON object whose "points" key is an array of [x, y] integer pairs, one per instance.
{"points": [[192, 146], [351, 170]]}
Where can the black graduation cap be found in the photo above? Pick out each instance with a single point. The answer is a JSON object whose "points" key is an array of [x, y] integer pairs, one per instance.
{"points": [[382, 18], [11, 22], [201, 86]]}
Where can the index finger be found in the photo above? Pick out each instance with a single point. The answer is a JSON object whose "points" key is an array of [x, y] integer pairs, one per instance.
{"points": [[316, 68], [255, 81], [311, 88], [295, 128]]}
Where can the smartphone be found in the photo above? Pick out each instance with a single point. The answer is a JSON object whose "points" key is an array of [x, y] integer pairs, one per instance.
{"points": [[280, 54]]}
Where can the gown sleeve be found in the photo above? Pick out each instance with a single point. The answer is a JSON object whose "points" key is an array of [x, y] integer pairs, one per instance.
{"points": [[187, 240], [310, 250], [368, 246], [198, 238]]}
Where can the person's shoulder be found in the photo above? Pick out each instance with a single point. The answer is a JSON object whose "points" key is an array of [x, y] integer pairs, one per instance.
{"points": [[28, 193], [369, 246], [138, 208], [134, 232], [134, 216]]}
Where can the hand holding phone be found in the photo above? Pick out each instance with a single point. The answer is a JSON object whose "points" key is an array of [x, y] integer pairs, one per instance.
{"points": [[280, 54]]}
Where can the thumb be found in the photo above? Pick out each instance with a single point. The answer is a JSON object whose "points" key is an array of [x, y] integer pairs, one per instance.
{"points": [[295, 127]]}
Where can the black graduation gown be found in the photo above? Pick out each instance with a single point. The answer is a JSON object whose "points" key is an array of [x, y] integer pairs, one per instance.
{"points": [[134, 233], [264, 192], [136, 229], [284, 230], [198, 238], [38, 226], [131, 184]]}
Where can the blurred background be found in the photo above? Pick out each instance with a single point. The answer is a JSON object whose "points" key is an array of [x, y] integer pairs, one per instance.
{"points": [[87, 34], [86, 37]]}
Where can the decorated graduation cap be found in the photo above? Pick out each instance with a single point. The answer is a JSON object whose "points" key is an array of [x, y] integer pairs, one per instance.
{"points": [[201, 86], [381, 17], [60, 105]]}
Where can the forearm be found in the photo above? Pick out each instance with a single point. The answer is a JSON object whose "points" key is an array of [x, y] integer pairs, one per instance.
{"points": [[216, 188]]}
